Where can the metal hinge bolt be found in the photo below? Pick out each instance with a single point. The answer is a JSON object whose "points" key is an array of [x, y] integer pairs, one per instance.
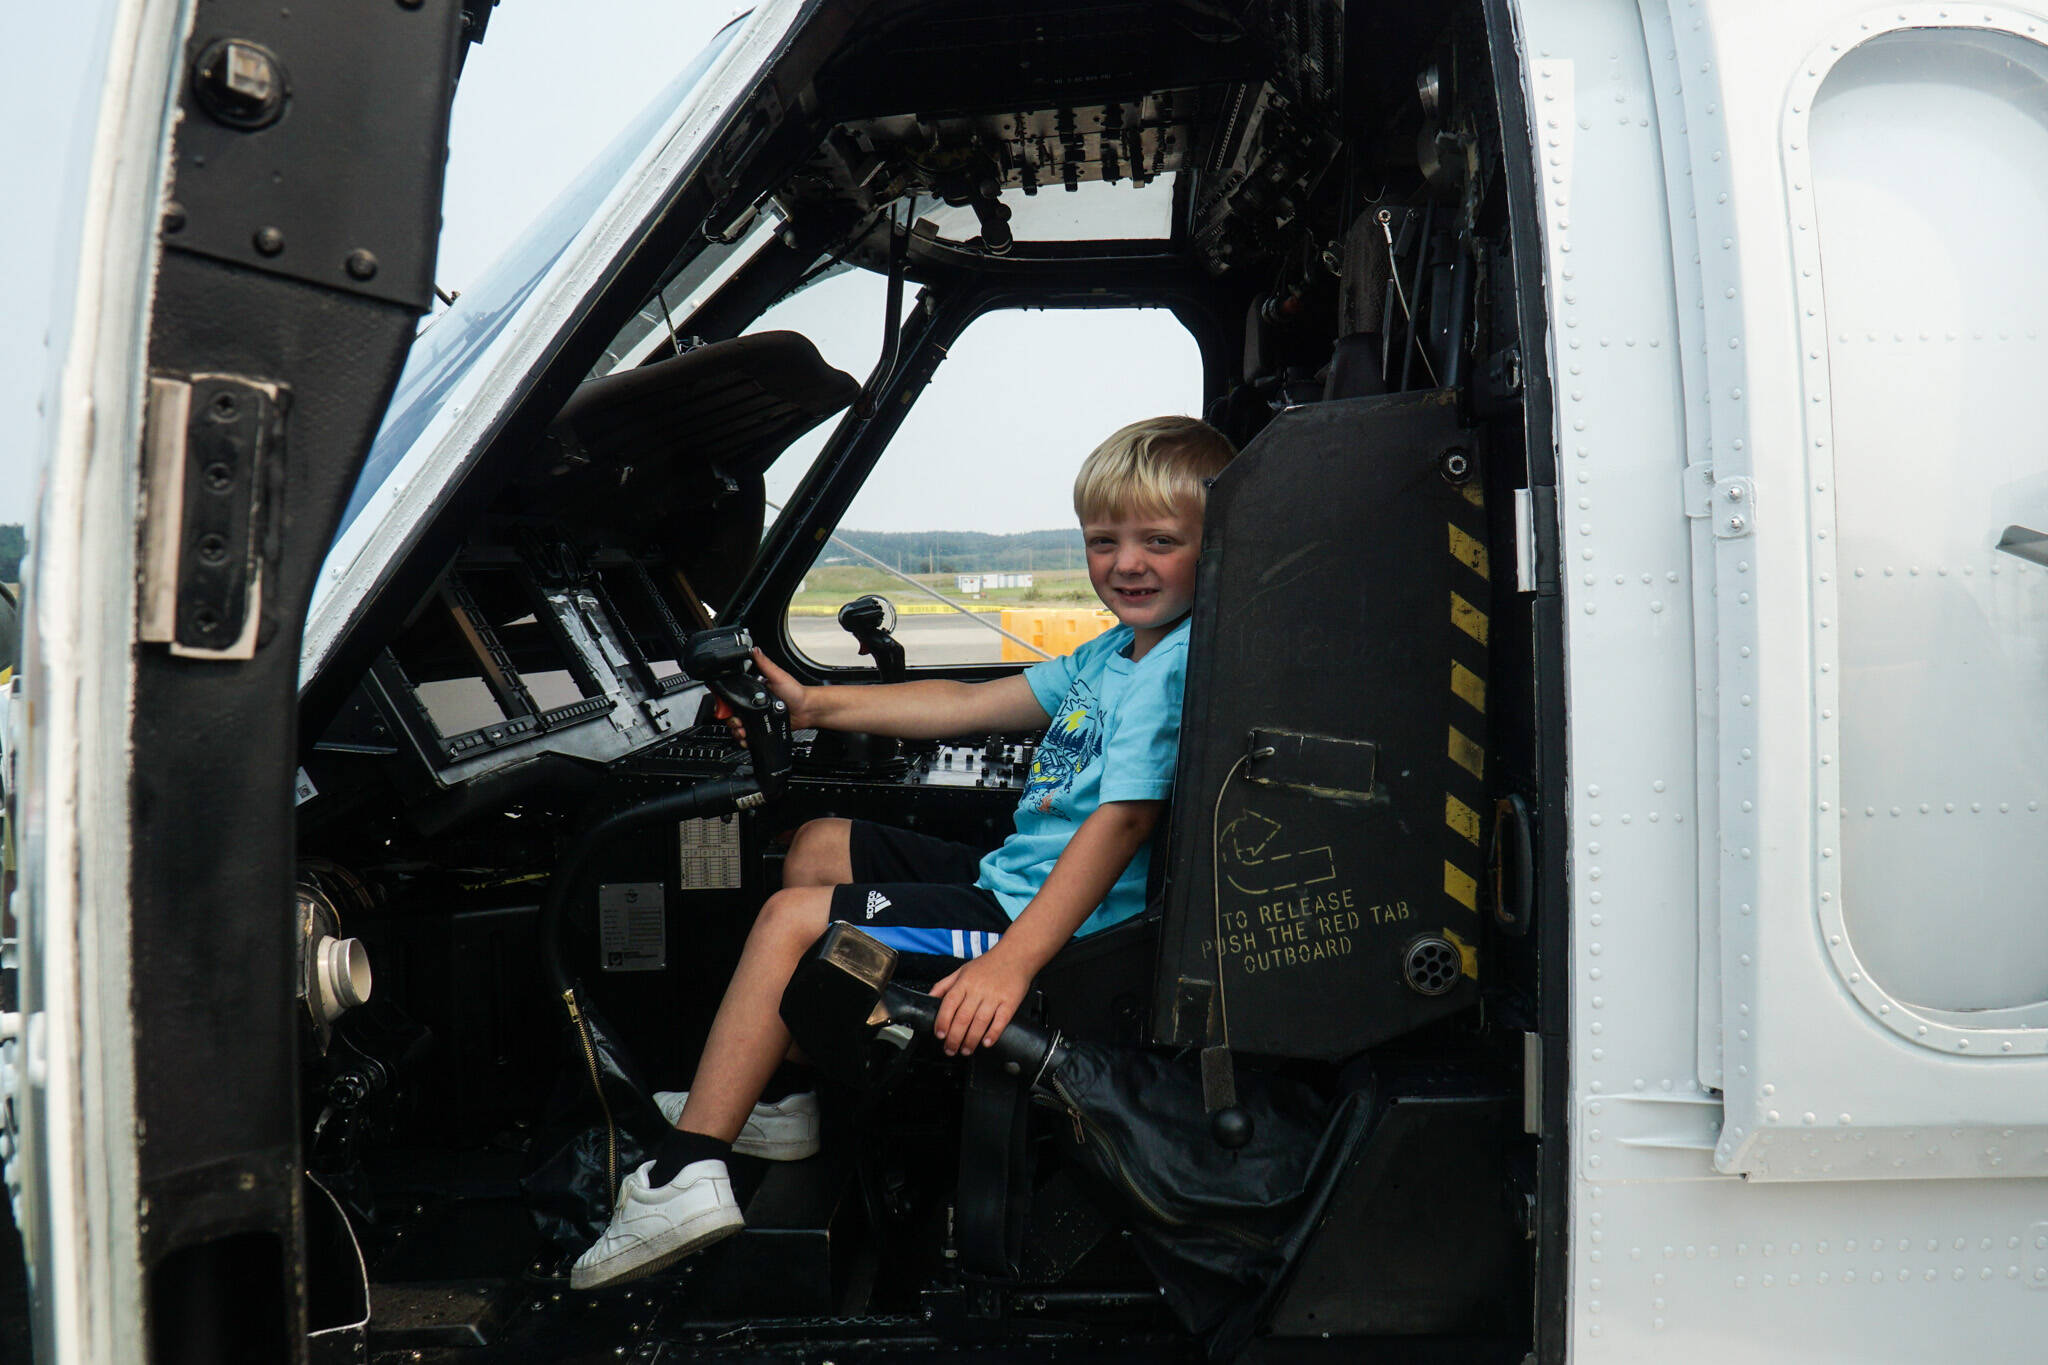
{"points": [[1735, 496]]}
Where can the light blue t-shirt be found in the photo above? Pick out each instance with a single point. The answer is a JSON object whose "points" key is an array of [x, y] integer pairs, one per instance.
{"points": [[1114, 736]]}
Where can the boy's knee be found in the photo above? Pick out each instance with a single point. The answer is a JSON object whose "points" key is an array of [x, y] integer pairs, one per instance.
{"points": [[820, 855], [795, 915]]}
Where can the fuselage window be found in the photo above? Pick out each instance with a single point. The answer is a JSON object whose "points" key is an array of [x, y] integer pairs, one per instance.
{"points": [[1930, 159]]}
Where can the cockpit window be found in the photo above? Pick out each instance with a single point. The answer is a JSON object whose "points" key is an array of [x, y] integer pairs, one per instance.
{"points": [[661, 317], [450, 342], [973, 499]]}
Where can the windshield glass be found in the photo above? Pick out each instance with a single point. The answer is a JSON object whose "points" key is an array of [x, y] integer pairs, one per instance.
{"points": [[451, 341]]}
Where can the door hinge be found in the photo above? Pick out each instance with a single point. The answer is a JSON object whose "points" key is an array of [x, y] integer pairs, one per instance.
{"points": [[212, 446], [1729, 503], [1525, 541], [1536, 539]]}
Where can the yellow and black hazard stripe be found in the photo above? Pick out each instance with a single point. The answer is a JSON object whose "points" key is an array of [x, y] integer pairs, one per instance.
{"points": [[1465, 773]]}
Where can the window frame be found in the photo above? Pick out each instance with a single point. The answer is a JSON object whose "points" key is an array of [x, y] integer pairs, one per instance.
{"points": [[942, 312]]}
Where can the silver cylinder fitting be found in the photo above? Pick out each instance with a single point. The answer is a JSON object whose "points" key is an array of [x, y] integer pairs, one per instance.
{"points": [[341, 977]]}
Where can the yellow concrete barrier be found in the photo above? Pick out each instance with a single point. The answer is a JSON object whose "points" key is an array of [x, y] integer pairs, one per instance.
{"points": [[1056, 630]]}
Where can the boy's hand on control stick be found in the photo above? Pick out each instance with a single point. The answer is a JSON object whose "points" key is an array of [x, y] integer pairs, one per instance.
{"points": [[793, 694], [781, 685]]}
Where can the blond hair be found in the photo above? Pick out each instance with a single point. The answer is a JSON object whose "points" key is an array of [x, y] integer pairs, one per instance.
{"points": [[1151, 468]]}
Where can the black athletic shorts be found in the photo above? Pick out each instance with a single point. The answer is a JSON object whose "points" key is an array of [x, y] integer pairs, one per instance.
{"points": [[917, 894]]}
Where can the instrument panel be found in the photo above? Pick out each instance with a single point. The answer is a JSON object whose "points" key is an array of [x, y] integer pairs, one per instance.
{"points": [[991, 763], [996, 762]]}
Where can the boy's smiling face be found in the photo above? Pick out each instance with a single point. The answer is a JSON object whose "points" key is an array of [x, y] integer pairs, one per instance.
{"points": [[1142, 566]]}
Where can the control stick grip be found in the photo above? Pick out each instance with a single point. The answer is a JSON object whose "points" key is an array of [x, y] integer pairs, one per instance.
{"points": [[723, 651], [887, 653], [765, 720], [870, 620], [722, 659]]}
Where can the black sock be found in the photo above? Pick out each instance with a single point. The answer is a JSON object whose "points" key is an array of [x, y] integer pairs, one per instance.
{"points": [[679, 1149], [788, 1080]]}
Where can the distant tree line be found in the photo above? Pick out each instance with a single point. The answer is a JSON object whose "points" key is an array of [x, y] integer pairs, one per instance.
{"points": [[13, 549], [964, 551]]}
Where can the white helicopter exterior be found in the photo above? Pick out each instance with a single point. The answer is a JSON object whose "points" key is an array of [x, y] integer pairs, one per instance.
{"points": [[1794, 303], [1787, 243]]}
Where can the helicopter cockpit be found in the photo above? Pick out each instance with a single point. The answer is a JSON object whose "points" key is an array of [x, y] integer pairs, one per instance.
{"points": [[1301, 218]]}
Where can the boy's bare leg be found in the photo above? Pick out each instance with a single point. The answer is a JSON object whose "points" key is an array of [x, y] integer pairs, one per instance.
{"points": [[819, 857], [748, 1038], [820, 854]]}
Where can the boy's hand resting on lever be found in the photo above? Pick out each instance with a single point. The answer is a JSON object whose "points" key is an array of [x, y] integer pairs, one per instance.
{"points": [[979, 999]]}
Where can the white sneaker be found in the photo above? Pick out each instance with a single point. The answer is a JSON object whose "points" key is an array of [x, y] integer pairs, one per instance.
{"points": [[652, 1227], [786, 1130]]}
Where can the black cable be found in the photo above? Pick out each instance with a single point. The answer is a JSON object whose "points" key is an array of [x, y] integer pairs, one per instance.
{"points": [[702, 799], [719, 795]]}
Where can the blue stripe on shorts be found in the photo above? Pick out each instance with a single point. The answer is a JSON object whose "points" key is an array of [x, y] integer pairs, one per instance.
{"points": [[968, 943]]}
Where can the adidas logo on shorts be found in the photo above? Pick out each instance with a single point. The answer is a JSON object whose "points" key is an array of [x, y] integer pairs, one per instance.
{"points": [[877, 903]]}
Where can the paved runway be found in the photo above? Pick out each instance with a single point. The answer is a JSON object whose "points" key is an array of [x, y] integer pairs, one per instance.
{"points": [[948, 639]]}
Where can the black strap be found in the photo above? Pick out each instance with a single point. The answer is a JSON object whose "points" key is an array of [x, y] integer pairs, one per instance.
{"points": [[995, 1175]]}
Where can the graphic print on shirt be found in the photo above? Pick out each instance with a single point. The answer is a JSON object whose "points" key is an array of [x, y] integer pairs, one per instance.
{"points": [[1071, 743]]}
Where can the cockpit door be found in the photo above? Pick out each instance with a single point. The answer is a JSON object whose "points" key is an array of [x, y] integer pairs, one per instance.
{"points": [[1873, 495], [258, 236]]}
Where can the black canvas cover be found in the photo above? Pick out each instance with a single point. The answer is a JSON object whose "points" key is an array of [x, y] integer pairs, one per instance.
{"points": [[1326, 830], [1221, 1227]]}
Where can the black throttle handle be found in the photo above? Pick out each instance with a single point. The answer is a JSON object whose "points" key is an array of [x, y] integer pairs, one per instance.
{"points": [[841, 994], [1021, 1050]]}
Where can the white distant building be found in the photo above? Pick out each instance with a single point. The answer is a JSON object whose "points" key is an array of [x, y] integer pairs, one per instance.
{"points": [[989, 582]]}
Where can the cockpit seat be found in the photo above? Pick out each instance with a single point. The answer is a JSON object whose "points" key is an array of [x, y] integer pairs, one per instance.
{"points": [[1099, 989], [733, 404], [675, 450]]}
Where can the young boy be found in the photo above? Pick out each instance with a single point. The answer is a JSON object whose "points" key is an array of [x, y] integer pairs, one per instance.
{"points": [[1076, 864]]}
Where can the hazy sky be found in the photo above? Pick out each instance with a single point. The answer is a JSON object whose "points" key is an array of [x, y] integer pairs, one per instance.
{"points": [[991, 446], [55, 95]]}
